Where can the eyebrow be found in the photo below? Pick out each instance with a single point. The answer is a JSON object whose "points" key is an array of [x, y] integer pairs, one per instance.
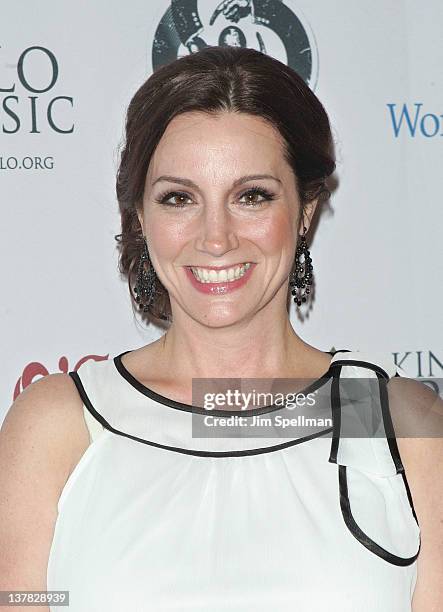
{"points": [[239, 181]]}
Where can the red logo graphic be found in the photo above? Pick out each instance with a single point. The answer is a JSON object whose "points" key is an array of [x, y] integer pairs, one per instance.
{"points": [[36, 369]]}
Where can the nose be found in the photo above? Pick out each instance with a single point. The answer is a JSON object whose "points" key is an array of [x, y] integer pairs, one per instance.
{"points": [[217, 234]]}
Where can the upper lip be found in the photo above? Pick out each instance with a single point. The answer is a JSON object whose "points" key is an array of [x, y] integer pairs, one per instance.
{"points": [[221, 267]]}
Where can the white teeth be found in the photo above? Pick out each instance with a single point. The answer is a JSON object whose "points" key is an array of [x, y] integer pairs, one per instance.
{"points": [[212, 276]]}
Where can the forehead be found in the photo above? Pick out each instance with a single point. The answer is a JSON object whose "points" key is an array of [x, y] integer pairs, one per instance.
{"points": [[221, 121], [218, 143]]}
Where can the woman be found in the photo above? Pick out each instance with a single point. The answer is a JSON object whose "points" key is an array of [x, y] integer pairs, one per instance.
{"points": [[226, 157]]}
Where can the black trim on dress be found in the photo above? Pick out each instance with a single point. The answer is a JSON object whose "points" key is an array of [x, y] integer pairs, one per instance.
{"points": [[387, 421], [408, 492], [187, 451], [363, 364], [141, 388], [336, 414], [359, 534]]}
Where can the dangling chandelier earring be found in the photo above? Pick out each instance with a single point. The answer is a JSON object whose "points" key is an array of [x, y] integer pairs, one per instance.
{"points": [[301, 277], [146, 281]]}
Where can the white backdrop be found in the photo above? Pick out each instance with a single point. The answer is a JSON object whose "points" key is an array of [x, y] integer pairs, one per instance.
{"points": [[67, 73]]}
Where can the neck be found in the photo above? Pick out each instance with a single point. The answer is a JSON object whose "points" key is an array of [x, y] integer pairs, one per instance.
{"points": [[255, 348]]}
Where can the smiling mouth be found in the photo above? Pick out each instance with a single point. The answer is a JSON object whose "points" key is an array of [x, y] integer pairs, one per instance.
{"points": [[219, 268], [219, 274]]}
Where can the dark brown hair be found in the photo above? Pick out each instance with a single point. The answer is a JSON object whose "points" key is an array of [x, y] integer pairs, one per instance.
{"points": [[213, 80]]}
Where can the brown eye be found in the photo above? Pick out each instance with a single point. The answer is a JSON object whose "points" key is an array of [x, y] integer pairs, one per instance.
{"points": [[255, 192], [177, 195]]}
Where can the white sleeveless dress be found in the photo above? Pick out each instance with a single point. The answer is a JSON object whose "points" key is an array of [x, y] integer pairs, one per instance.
{"points": [[156, 519]]}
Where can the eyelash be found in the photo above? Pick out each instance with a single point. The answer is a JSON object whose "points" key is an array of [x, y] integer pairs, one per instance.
{"points": [[255, 190]]}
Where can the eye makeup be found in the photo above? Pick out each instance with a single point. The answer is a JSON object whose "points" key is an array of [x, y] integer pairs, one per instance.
{"points": [[253, 191]]}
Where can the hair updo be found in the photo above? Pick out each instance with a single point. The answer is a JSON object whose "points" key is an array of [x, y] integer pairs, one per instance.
{"points": [[213, 80]]}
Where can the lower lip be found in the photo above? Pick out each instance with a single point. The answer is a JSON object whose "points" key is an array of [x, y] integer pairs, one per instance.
{"points": [[222, 287]]}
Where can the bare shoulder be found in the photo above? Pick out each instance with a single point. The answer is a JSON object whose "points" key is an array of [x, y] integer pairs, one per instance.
{"points": [[416, 408], [417, 415], [41, 438], [47, 415]]}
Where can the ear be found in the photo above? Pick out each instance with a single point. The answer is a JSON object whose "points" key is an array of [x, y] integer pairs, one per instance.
{"points": [[308, 213], [140, 216]]}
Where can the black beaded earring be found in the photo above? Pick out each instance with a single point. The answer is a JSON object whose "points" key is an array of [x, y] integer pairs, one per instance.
{"points": [[301, 277], [146, 281]]}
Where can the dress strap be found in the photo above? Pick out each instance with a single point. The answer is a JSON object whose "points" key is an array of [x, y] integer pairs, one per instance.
{"points": [[86, 384], [363, 435], [374, 495]]}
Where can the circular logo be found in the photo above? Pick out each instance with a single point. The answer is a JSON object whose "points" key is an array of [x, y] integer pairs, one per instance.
{"points": [[269, 26]]}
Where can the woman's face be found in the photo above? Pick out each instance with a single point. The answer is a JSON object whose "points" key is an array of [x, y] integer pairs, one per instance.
{"points": [[201, 210]]}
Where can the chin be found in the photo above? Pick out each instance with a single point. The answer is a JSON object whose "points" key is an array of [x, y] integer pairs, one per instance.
{"points": [[219, 318]]}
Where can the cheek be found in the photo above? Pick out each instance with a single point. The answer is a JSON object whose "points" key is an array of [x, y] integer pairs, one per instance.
{"points": [[275, 234], [166, 236]]}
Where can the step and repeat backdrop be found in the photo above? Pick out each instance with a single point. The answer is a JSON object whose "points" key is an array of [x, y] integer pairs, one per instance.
{"points": [[67, 73]]}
